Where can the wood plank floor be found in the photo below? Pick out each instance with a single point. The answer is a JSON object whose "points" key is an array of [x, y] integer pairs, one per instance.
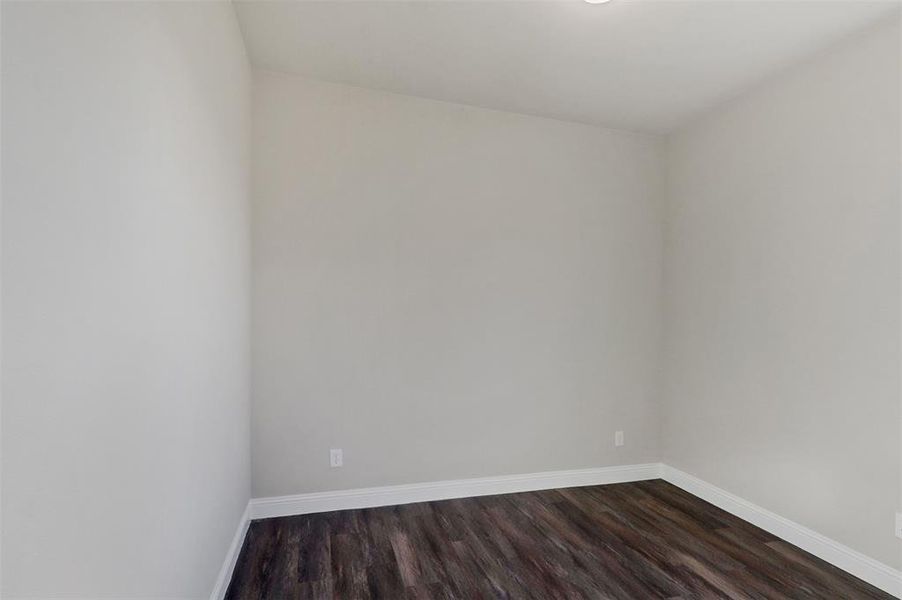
{"points": [[627, 541]]}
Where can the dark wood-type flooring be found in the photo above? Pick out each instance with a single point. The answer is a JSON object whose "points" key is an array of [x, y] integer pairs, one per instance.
{"points": [[631, 541]]}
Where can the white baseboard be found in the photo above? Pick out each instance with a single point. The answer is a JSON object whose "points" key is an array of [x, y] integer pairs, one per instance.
{"points": [[874, 572], [281, 506], [228, 566]]}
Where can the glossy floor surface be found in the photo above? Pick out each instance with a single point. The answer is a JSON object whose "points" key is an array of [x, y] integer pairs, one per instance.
{"points": [[635, 541]]}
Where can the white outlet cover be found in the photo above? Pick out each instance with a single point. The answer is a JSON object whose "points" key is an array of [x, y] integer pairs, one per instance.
{"points": [[899, 524], [618, 438], [335, 458]]}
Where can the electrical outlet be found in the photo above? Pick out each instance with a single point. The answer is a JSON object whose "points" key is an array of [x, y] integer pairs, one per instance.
{"points": [[618, 438], [335, 458], [899, 524]]}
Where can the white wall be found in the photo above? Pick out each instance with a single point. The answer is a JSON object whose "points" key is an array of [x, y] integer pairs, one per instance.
{"points": [[442, 291], [445, 291], [782, 297], [125, 314]]}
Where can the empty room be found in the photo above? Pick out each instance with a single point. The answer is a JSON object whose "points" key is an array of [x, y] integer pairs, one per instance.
{"points": [[451, 299]]}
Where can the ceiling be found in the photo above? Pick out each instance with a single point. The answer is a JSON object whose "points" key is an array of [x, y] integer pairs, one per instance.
{"points": [[645, 65]]}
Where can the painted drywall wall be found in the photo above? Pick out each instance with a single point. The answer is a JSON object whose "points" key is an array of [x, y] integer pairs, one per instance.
{"points": [[446, 292], [782, 295], [125, 312], [899, 124]]}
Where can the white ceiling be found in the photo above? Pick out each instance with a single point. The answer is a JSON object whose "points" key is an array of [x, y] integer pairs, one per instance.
{"points": [[645, 65]]}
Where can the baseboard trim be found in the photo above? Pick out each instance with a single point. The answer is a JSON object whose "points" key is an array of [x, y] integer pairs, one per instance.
{"points": [[281, 506], [872, 571], [228, 566]]}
